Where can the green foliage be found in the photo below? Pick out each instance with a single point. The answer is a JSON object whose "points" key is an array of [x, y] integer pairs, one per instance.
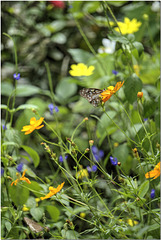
{"points": [[101, 153]]}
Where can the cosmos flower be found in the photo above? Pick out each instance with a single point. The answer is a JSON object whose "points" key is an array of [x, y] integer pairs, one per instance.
{"points": [[81, 70], [34, 124], [110, 91], [154, 173], [53, 191], [23, 178]]}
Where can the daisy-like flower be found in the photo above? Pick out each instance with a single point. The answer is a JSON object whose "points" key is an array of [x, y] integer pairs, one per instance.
{"points": [[23, 178], [154, 173], [128, 27], [34, 124], [105, 95], [53, 191], [108, 46], [81, 70]]}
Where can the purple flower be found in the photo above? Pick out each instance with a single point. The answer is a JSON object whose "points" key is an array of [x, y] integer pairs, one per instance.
{"points": [[152, 194], [19, 167], [145, 119], [98, 154], [94, 168], [2, 171], [114, 72], [61, 158], [89, 169], [16, 76], [51, 108], [114, 161], [4, 127]]}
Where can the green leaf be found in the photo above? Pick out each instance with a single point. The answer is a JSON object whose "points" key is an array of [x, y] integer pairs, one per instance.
{"points": [[33, 154], [36, 188], [6, 88], [53, 212], [19, 194], [139, 47], [132, 86], [37, 213], [8, 226], [121, 153], [65, 89], [149, 107], [143, 189], [26, 90], [118, 38], [80, 56]]}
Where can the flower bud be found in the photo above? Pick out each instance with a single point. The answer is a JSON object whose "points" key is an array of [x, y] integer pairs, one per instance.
{"points": [[140, 94], [91, 142]]}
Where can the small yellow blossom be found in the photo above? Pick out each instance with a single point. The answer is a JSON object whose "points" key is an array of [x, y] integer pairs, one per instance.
{"points": [[128, 27], [23, 178], [81, 70], [136, 69], [25, 208], [37, 200], [105, 95], [34, 124], [132, 222], [53, 191], [82, 173], [154, 173]]}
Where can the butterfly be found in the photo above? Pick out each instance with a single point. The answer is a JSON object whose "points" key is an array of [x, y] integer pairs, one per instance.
{"points": [[34, 226], [93, 95]]}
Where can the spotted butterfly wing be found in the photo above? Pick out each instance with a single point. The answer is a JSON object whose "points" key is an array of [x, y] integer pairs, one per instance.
{"points": [[92, 95]]}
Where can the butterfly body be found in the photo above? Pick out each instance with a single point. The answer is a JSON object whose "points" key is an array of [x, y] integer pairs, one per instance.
{"points": [[93, 95]]}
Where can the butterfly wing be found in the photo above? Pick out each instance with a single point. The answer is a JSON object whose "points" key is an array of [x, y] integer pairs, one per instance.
{"points": [[34, 226], [92, 95]]}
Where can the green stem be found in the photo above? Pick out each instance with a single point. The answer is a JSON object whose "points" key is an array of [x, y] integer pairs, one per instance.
{"points": [[90, 46], [118, 127]]}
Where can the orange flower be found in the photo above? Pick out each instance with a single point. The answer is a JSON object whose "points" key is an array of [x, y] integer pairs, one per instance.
{"points": [[34, 124], [154, 173], [23, 178], [53, 191], [110, 91], [140, 94]]}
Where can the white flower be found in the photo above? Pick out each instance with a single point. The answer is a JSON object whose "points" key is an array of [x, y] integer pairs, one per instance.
{"points": [[108, 46], [155, 6]]}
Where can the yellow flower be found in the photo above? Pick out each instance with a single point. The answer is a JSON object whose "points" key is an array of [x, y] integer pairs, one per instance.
{"points": [[81, 70], [110, 91], [23, 178], [154, 173], [82, 173], [53, 191], [128, 27], [132, 222], [116, 144], [37, 200], [34, 124], [25, 209]]}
